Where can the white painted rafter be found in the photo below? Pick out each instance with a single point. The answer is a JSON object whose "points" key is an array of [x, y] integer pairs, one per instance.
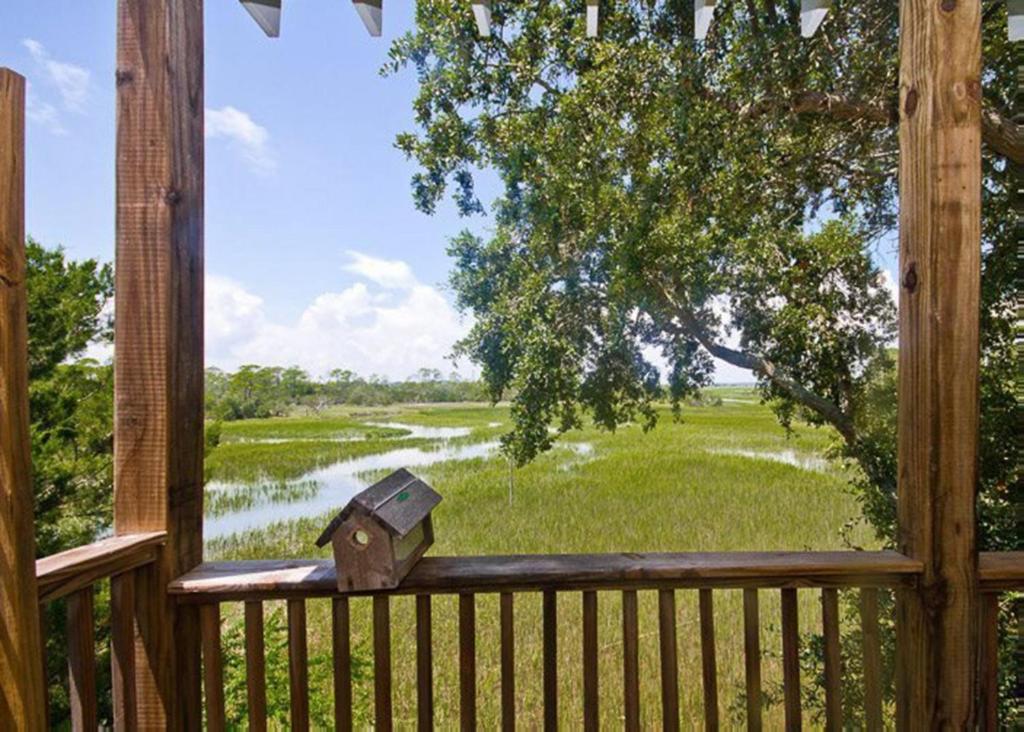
{"points": [[593, 18], [1015, 19], [266, 13], [703, 13], [812, 15], [371, 12], [482, 14]]}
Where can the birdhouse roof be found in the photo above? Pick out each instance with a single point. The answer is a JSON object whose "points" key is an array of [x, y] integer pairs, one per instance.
{"points": [[398, 502]]}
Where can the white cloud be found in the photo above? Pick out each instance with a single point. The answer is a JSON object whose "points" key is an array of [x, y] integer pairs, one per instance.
{"points": [[392, 274], [369, 328], [72, 82], [43, 113], [250, 140]]}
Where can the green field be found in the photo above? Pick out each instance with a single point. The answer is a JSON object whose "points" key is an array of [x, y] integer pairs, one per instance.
{"points": [[725, 478]]}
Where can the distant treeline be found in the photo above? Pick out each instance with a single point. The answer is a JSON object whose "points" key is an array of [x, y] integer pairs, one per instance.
{"points": [[266, 391]]}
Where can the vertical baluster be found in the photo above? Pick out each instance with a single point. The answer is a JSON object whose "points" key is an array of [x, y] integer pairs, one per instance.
{"points": [[342, 664], [550, 660], [791, 659], [630, 661], [255, 666], [669, 662], [590, 680], [467, 661], [752, 657], [989, 656], [122, 651], [709, 663], [508, 663], [213, 666], [82, 660], [872, 650], [382, 662], [833, 659], [298, 666], [424, 665]]}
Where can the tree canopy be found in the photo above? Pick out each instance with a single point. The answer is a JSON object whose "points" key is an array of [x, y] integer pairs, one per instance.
{"points": [[720, 198]]}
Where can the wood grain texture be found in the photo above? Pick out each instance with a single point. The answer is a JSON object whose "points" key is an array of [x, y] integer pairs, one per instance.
{"points": [[61, 574], [82, 698], [467, 662], [940, 252], [709, 661], [158, 369], [669, 660], [550, 660], [424, 664], [508, 662], [591, 706], [988, 692], [630, 661], [22, 693], [270, 579], [871, 648], [791, 661], [255, 667], [382, 662], [298, 665], [341, 629], [122, 650], [752, 658], [213, 667], [1001, 571], [833, 660]]}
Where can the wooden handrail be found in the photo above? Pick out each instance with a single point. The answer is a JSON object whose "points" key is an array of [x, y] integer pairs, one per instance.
{"points": [[224, 581], [1001, 571], [61, 574]]}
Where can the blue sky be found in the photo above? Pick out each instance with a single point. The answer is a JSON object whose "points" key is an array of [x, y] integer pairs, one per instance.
{"points": [[315, 253]]}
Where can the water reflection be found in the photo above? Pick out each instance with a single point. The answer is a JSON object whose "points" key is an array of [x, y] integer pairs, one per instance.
{"points": [[789, 457], [337, 484]]}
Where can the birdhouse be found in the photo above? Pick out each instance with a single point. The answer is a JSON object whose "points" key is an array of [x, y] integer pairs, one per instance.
{"points": [[382, 532]]}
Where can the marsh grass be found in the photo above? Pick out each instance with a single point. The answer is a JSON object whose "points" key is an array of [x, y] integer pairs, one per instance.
{"points": [[637, 492], [254, 462]]}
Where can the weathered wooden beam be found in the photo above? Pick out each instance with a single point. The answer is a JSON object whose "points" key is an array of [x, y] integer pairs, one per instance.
{"points": [[158, 366], [371, 12], [940, 250], [61, 574], [270, 579], [22, 697]]}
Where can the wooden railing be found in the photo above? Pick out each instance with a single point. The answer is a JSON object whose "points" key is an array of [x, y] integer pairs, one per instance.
{"points": [[73, 575], [554, 577]]}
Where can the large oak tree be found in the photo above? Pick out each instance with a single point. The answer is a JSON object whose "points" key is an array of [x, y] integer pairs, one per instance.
{"points": [[720, 198]]}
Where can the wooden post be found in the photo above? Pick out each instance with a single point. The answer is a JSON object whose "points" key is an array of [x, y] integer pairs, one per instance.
{"points": [[940, 249], [158, 423], [22, 698]]}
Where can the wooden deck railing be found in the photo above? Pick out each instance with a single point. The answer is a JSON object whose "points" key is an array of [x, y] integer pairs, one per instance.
{"points": [[73, 574], [554, 577]]}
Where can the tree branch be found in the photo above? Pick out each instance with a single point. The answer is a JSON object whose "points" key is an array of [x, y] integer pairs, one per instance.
{"points": [[1002, 135], [689, 325]]}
